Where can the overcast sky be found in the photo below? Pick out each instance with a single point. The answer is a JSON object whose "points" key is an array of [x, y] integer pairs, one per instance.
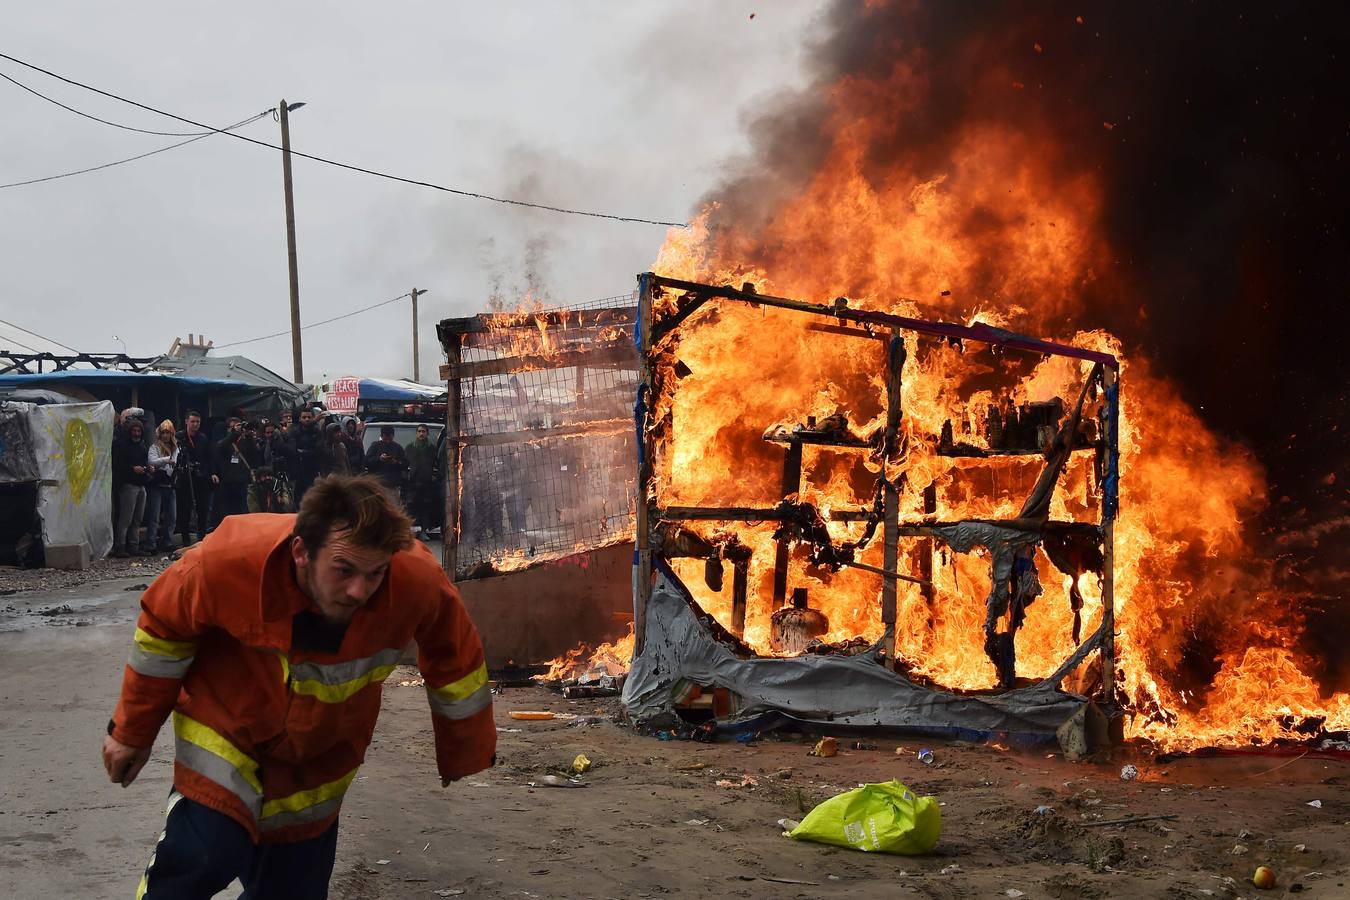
{"points": [[630, 108]]}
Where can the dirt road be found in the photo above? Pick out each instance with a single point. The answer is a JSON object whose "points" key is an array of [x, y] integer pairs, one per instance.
{"points": [[652, 820]]}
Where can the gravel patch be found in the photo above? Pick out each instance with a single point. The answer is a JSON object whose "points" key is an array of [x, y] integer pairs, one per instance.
{"points": [[20, 581]]}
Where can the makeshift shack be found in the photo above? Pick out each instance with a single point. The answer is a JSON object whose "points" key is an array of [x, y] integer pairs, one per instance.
{"points": [[55, 478], [539, 492], [845, 580]]}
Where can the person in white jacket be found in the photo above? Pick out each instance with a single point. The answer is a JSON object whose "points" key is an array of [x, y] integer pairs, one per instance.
{"points": [[161, 503]]}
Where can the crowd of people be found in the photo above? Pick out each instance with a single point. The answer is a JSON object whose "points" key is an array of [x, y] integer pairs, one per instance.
{"points": [[185, 480]]}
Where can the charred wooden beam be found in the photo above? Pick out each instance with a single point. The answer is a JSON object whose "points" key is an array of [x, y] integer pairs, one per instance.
{"points": [[602, 426], [579, 318], [888, 573], [979, 332], [608, 353], [748, 514], [895, 364], [452, 345], [792, 484], [739, 592]]}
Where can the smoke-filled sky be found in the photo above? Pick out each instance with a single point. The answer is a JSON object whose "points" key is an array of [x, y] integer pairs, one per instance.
{"points": [[614, 107]]}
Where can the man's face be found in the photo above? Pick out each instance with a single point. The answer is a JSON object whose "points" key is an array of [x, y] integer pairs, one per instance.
{"points": [[194, 424], [236, 427], [342, 577], [422, 434], [387, 438], [306, 418], [269, 432]]}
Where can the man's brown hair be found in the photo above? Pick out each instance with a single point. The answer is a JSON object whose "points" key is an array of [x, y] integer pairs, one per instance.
{"points": [[357, 504]]}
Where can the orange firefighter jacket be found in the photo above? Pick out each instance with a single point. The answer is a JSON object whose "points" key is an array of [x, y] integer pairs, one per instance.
{"points": [[272, 736]]}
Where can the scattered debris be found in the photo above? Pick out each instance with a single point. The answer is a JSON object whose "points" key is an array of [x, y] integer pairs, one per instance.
{"points": [[1239, 850], [1263, 878], [926, 757], [825, 748], [1315, 804], [953, 869], [745, 781], [533, 715], [886, 817], [581, 764], [558, 781], [1130, 820], [1128, 772]]}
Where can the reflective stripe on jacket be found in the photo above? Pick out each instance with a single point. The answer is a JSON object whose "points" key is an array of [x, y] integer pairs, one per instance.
{"points": [[272, 736]]}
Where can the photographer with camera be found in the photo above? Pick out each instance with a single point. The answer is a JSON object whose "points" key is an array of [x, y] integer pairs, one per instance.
{"points": [[232, 469]]}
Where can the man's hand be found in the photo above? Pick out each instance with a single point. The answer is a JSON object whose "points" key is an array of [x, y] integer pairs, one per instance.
{"points": [[215, 479], [123, 763]]}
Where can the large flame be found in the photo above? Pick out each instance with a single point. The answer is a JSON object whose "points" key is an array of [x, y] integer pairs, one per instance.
{"points": [[999, 230]]}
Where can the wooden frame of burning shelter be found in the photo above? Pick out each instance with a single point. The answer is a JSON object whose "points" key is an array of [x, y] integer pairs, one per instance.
{"points": [[659, 536], [499, 344]]}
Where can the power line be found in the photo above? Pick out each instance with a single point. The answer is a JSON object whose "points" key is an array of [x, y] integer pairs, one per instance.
{"points": [[317, 324], [35, 334], [349, 166], [96, 118], [119, 162]]}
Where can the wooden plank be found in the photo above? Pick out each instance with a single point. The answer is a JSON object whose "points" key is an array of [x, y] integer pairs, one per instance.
{"points": [[792, 483], [619, 353], [453, 455], [739, 591], [535, 434], [895, 363], [1109, 380], [577, 318], [747, 514]]}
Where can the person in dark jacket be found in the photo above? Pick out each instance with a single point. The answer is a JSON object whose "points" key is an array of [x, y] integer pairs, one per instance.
{"points": [[195, 485], [386, 460], [233, 470], [309, 452], [419, 495], [129, 464], [352, 430]]}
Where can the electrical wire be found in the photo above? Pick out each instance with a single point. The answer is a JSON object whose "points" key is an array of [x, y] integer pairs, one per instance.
{"points": [[35, 334], [119, 162], [349, 166], [96, 118], [317, 324]]}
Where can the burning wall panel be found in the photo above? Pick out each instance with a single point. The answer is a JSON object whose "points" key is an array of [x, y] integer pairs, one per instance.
{"points": [[897, 479], [540, 439]]}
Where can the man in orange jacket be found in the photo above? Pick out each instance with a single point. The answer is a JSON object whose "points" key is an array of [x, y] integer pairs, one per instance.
{"points": [[269, 642]]}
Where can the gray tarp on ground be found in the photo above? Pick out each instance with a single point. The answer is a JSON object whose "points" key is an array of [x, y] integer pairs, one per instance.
{"points": [[829, 690]]}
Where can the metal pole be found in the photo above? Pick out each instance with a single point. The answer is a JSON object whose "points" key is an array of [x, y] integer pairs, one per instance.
{"points": [[643, 581], [895, 364], [417, 366], [283, 114]]}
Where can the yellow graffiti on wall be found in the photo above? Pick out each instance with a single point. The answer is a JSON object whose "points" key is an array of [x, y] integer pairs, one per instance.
{"points": [[79, 453]]}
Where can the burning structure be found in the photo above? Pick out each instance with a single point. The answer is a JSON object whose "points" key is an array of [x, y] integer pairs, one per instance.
{"points": [[873, 493], [539, 474]]}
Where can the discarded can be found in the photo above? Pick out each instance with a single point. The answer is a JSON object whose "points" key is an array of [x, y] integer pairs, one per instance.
{"points": [[664, 736], [1128, 772], [926, 757]]}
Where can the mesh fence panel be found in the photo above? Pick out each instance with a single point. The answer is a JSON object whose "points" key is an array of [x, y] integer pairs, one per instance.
{"points": [[546, 419]]}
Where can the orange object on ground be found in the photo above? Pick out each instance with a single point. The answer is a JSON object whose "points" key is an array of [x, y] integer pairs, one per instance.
{"points": [[531, 714]]}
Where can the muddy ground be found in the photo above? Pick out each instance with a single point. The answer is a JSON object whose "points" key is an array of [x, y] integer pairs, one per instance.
{"points": [[652, 820]]}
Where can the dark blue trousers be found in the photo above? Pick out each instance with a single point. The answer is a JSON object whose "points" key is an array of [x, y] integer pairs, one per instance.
{"points": [[201, 852]]}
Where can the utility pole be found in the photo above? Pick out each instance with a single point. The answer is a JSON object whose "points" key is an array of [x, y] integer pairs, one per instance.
{"points": [[283, 112], [417, 367]]}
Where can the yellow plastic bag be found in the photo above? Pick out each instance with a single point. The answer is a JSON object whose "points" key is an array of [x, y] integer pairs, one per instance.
{"points": [[875, 818]]}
